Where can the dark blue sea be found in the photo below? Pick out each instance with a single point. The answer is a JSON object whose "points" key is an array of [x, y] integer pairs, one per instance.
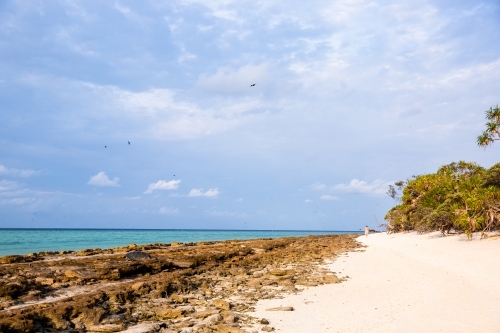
{"points": [[24, 241]]}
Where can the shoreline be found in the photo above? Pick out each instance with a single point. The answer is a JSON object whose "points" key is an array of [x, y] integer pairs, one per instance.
{"points": [[401, 283], [19, 241], [350, 283], [203, 287]]}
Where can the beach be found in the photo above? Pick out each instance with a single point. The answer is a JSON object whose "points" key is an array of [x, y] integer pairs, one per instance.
{"points": [[401, 283], [334, 283], [167, 288]]}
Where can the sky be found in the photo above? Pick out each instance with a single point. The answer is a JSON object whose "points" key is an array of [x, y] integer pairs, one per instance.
{"points": [[126, 114]]}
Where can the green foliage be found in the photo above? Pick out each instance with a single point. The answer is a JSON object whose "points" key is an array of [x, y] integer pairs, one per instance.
{"points": [[492, 131], [492, 176], [462, 196]]}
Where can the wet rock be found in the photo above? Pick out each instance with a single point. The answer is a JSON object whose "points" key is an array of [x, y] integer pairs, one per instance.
{"points": [[12, 290], [33, 295], [264, 321], [11, 259], [137, 255]]}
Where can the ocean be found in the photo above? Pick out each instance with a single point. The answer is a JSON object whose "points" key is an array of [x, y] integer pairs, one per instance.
{"points": [[24, 241]]}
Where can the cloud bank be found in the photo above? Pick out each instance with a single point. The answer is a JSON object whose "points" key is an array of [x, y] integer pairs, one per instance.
{"points": [[102, 180], [211, 193], [328, 197], [163, 185], [377, 187], [25, 173]]}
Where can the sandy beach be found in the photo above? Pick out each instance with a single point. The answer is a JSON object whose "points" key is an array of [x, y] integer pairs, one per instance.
{"points": [[388, 283], [401, 283]]}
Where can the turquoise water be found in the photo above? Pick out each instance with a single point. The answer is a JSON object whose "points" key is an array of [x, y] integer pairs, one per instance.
{"points": [[23, 241]]}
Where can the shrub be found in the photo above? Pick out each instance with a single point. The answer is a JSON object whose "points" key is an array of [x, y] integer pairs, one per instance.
{"points": [[460, 196]]}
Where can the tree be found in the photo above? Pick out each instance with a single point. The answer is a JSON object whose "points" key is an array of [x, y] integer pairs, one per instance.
{"points": [[461, 196], [492, 131]]}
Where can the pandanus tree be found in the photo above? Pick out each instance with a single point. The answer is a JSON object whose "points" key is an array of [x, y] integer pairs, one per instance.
{"points": [[492, 131]]}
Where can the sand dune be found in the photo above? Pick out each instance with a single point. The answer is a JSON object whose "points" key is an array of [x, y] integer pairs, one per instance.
{"points": [[402, 283]]}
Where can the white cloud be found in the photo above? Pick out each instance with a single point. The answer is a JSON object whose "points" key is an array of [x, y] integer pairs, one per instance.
{"points": [[163, 185], [168, 210], [211, 193], [308, 200], [165, 114], [328, 197], [377, 187], [101, 179], [25, 173], [317, 187], [8, 186], [13, 193]]}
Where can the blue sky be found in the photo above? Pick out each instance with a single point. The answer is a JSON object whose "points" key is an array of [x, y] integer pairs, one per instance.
{"points": [[348, 97]]}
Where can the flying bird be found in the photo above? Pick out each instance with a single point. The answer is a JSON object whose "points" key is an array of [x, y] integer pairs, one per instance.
{"points": [[128, 143], [105, 147], [252, 85]]}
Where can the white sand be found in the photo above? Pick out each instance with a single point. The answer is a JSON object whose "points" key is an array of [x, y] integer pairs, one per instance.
{"points": [[401, 283]]}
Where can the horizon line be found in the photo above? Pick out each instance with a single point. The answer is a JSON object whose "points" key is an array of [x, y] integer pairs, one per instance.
{"points": [[183, 229]]}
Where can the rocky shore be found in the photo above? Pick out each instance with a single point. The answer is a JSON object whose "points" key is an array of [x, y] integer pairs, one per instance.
{"points": [[190, 287]]}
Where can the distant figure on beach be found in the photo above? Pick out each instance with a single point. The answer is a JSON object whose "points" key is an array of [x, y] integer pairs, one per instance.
{"points": [[367, 230]]}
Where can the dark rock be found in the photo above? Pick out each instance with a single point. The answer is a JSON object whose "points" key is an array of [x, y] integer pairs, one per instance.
{"points": [[137, 255]]}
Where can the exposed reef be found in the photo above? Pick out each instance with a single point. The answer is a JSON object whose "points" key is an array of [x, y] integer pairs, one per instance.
{"points": [[192, 287]]}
